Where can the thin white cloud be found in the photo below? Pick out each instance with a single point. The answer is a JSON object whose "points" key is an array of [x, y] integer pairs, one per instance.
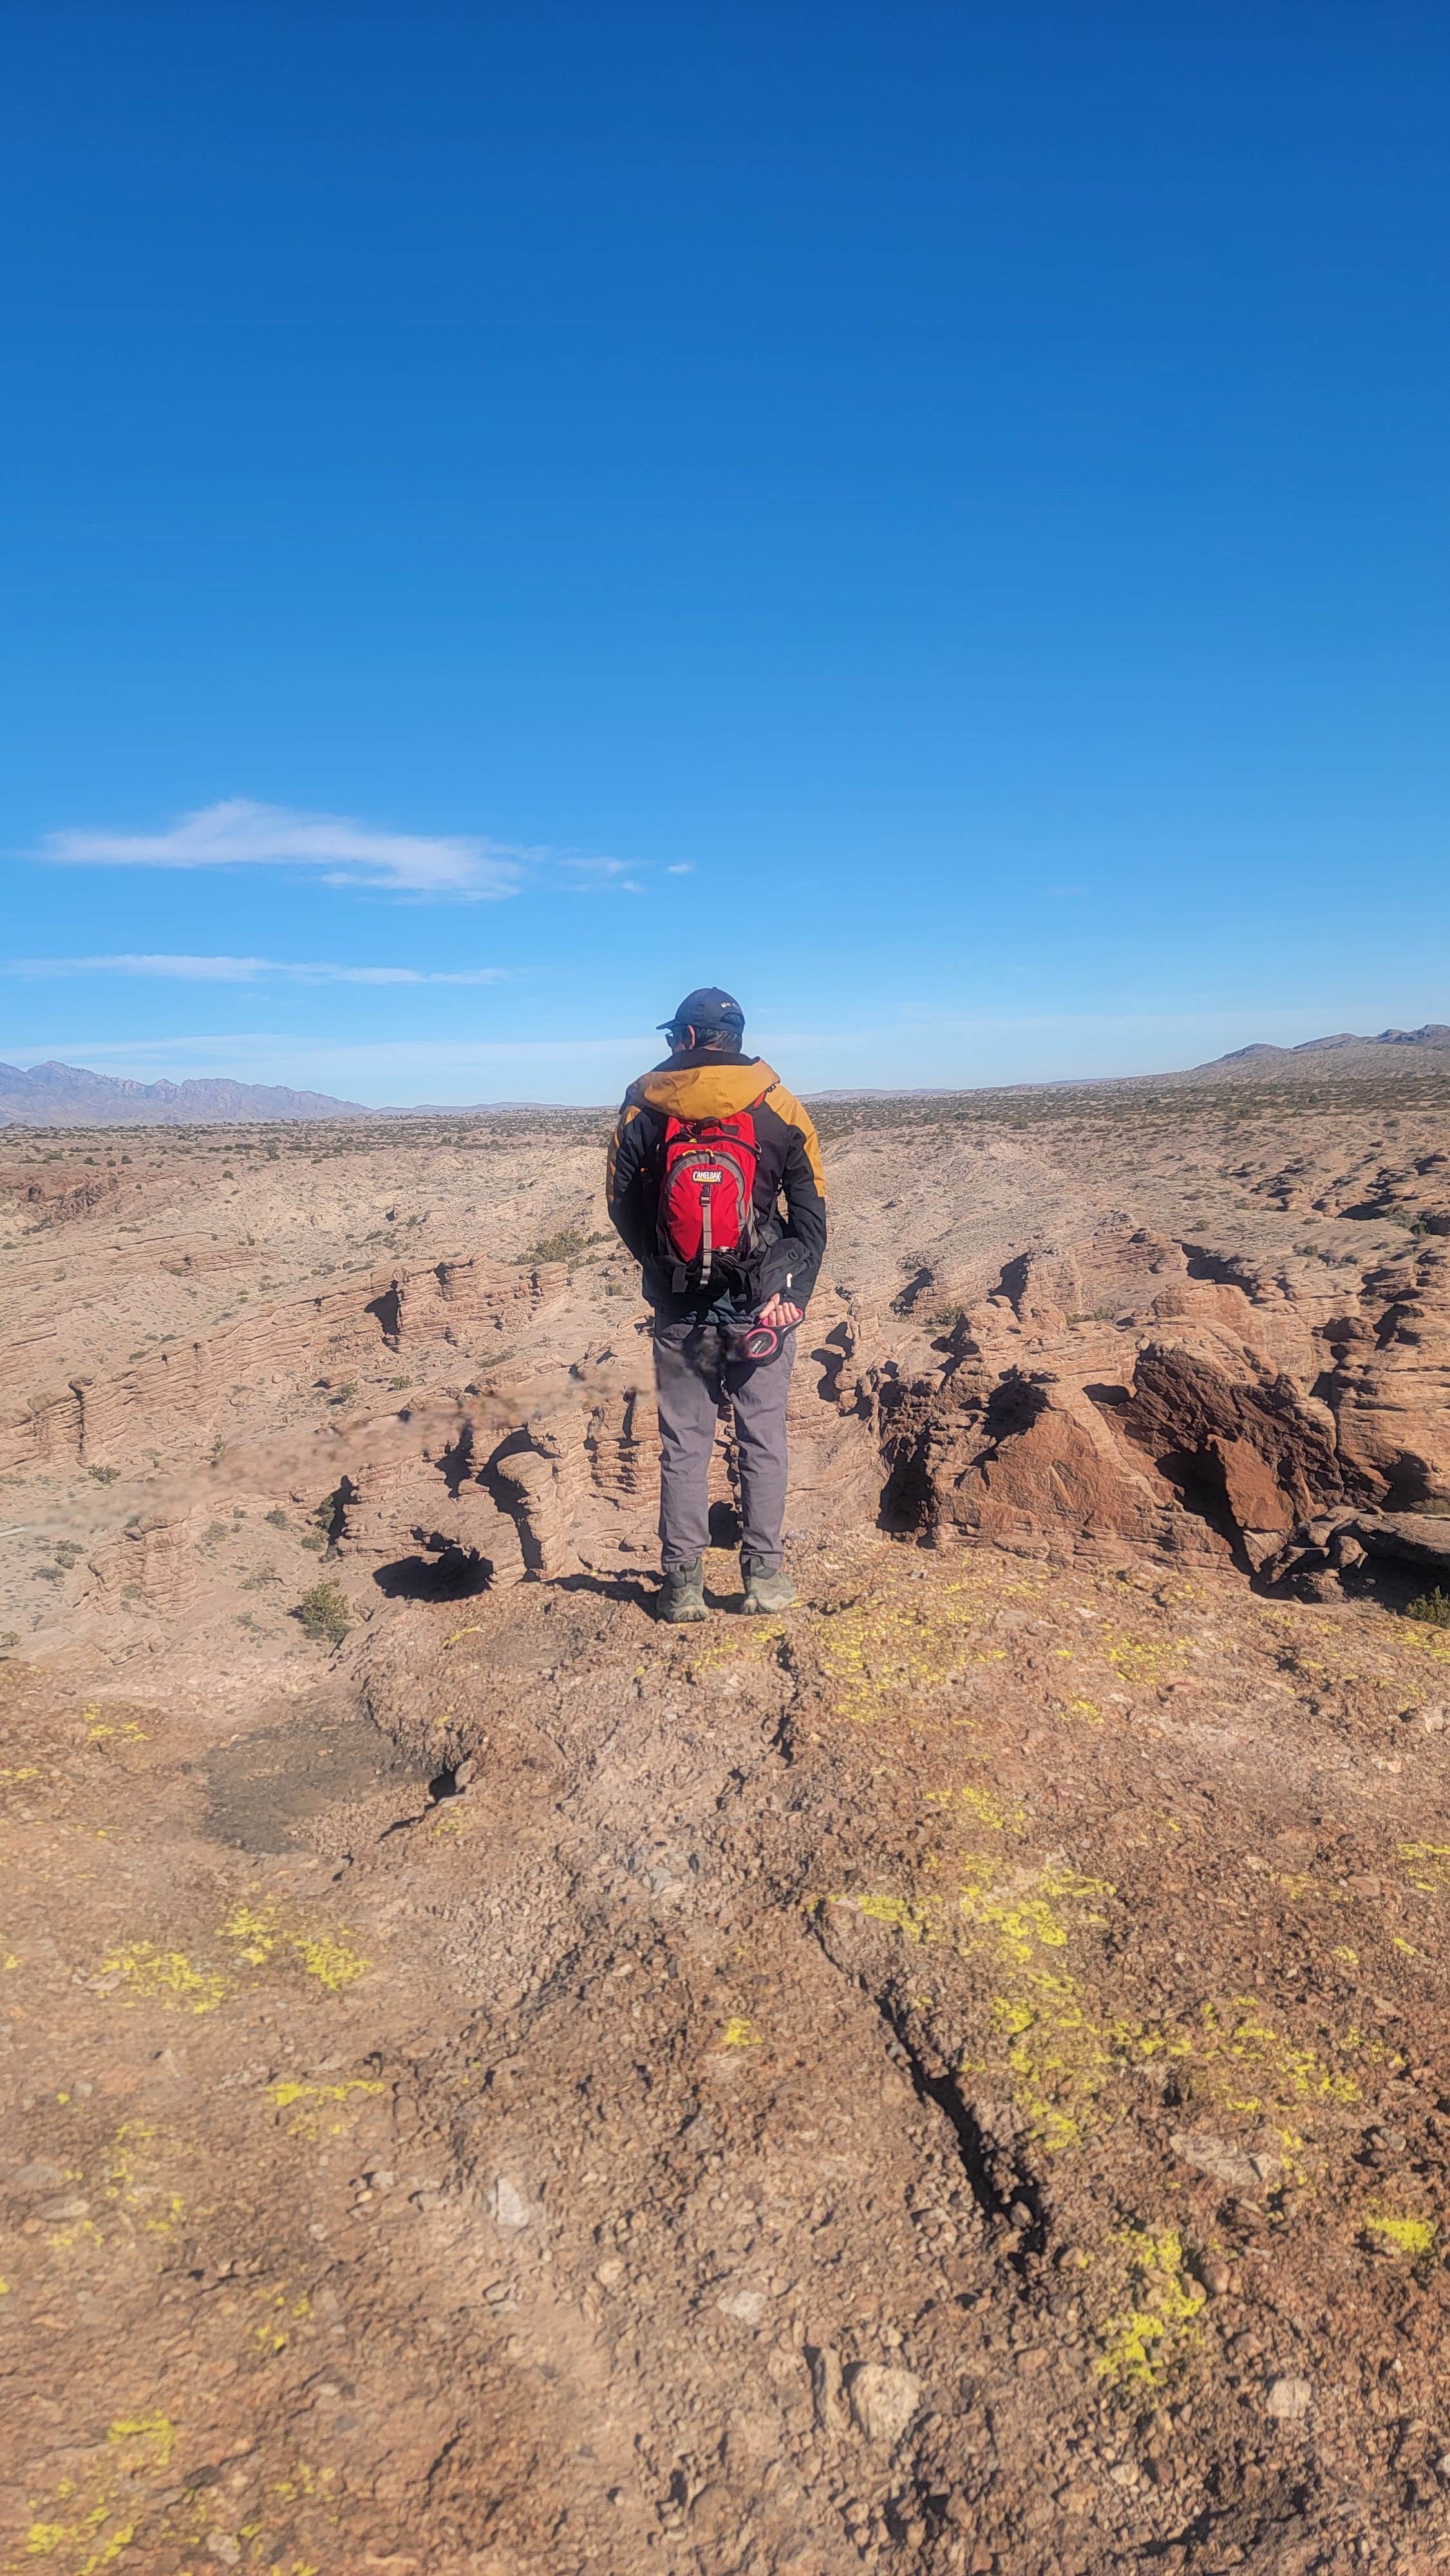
{"points": [[242, 970], [581, 874], [681, 868], [238, 832]]}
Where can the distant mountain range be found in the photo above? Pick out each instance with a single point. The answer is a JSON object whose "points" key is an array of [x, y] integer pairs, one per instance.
{"points": [[1425, 1050], [67, 1095]]}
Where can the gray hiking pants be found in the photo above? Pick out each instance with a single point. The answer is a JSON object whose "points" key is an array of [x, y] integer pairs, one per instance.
{"points": [[692, 1373]]}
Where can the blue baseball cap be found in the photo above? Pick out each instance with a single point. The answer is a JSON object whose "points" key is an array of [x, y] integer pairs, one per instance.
{"points": [[706, 1008]]}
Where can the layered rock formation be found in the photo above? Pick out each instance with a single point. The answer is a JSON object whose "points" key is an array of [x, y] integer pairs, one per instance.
{"points": [[575, 1478], [186, 1393], [1225, 1341], [1198, 1406]]}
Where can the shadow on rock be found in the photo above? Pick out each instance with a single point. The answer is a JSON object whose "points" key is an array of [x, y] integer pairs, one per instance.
{"points": [[456, 1575]]}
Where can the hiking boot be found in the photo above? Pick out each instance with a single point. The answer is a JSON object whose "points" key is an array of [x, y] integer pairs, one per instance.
{"points": [[765, 1591], [682, 1594]]}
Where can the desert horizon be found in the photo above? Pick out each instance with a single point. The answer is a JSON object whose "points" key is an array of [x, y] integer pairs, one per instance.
{"points": [[56, 1094]]}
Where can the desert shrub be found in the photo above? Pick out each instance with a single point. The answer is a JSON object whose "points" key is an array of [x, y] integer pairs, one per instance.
{"points": [[566, 1245], [322, 1614], [1432, 1607], [104, 1475], [276, 1517]]}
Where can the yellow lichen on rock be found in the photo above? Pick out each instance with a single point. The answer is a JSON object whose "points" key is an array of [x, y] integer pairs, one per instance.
{"points": [[1139, 2343], [1226, 2044], [1146, 1660], [291, 2090], [1059, 2057], [741, 2033], [1413, 2236], [885, 1646], [1429, 1867], [155, 2433], [1024, 1914], [144, 1974], [265, 1934]]}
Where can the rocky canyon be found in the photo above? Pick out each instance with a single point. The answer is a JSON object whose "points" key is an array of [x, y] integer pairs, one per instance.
{"points": [[953, 2079]]}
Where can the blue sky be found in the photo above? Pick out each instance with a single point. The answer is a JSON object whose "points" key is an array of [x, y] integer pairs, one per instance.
{"points": [[931, 516]]}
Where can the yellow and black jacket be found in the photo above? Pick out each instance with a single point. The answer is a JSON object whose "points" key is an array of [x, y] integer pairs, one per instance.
{"points": [[790, 1245]]}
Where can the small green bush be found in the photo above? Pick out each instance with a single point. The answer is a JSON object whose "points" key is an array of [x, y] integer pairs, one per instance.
{"points": [[1432, 1607], [276, 1518], [564, 1246], [104, 1475], [322, 1614]]}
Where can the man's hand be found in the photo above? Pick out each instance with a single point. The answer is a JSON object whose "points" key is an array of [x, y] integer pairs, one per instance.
{"points": [[781, 1312]]}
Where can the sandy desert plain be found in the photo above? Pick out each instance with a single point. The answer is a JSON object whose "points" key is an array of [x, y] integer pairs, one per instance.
{"points": [[956, 2078]]}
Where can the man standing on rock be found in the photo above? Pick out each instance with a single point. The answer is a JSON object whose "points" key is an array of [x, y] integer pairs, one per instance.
{"points": [[715, 1187]]}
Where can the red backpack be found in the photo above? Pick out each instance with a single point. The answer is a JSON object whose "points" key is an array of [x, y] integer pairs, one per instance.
{"points": [[707, 1195]]}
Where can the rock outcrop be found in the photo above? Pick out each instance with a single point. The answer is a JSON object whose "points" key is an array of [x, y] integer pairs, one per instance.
{"points": [[185, 1392], [1132, 1390], [1388, 1382], [1248, 1451], [152, 1562]]}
